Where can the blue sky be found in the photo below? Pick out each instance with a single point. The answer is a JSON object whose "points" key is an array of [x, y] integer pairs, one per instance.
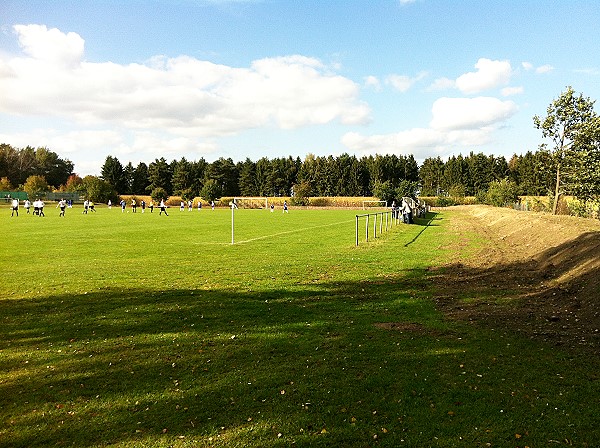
{"points": [[142, 79]]}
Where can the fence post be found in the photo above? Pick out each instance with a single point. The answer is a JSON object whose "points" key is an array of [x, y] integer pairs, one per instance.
{"points": [[357, 230], [367, 227], [375, 227]]}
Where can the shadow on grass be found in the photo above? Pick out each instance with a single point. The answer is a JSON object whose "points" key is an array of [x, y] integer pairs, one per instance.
{"points": [[124, 366], [306, 365]]}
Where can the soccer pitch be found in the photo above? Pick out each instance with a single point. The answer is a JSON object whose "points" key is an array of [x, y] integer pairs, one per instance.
{"points": [[131, 330], [80, 252]]}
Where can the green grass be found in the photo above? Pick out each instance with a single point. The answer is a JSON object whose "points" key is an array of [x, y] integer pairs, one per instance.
{"points": [[145, 330]]}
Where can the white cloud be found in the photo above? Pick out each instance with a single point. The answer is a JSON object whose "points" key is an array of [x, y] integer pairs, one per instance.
{"points": [[489, 75], [510, 91], [456, 122], [442, 84], [50, 44], [470, 113], [182, 96], [373, 82], [544, 68], [527, 65], [402, 82]]}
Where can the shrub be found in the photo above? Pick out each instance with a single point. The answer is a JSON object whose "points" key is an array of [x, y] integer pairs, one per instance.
{"points": [[159, 194], [502, 193]]}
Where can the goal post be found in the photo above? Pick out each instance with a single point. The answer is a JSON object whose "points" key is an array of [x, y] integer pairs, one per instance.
{"points": [[251, 202], [371, 203]]}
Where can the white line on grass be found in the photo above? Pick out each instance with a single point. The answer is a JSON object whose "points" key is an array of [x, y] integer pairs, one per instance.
{"points": [[263, 237]]}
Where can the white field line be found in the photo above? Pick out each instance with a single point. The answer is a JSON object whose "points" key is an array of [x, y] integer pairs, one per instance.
{"points": [[290, 231]]}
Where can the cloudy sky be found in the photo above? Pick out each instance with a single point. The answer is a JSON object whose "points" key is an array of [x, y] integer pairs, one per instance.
{"points": [[143, 79]]}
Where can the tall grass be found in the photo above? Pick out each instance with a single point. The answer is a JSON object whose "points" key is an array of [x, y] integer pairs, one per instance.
{"points": [[122, 329]]}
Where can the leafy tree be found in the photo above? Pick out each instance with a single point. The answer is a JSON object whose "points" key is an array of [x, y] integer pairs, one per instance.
{"points": [[584, 164], [502, 193], [98, 190], [112, 172], [55, 170], [211, 190], [457, 191], [384, 191], [302, 193], [74, 184], [160, 175], [17, 164], [567, 125], [5, 184], [159, 194], [407, 189], [36, 186]]}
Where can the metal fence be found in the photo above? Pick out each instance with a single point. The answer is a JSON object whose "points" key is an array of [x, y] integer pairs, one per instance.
{"points": [[382, 221]]}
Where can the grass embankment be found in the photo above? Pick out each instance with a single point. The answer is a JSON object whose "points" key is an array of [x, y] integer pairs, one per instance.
{"points": [[145, 330]]}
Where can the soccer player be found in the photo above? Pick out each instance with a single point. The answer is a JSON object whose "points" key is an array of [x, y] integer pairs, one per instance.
{"points": [[163, 208], [15, 207], [62, 204]]}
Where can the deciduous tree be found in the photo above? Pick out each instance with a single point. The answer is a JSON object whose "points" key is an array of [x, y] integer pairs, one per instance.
{"points": [[567, 125]]}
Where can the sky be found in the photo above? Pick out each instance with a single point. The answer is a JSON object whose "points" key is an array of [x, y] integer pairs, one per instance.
{"points": [[144, 79]]}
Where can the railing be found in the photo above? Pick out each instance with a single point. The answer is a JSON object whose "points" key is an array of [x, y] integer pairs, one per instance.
{"points": [[390, 218]]}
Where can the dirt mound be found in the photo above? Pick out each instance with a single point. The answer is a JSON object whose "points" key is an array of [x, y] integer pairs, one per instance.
{"points": [[535, 273]]}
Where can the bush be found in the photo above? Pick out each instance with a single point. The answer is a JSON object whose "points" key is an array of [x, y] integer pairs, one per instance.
{"points": [[159, 194], [502, 193], [384, 191], [584, 209]]}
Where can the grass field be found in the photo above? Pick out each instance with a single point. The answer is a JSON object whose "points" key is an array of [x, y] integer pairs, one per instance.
{"points": [[122, 329]]}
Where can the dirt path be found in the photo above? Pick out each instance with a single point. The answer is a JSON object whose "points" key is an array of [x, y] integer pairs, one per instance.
{"points": [[534, 273]]}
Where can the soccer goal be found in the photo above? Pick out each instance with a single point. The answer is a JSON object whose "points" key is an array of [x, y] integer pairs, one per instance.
{"points": [[370, 204], [251, 202]]}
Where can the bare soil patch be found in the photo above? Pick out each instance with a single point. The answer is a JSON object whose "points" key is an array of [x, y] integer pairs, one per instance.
{"points": [[534, 273]]}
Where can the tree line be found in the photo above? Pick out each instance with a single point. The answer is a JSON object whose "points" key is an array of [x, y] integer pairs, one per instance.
{"points": [[346, 175], [570, 166]]}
